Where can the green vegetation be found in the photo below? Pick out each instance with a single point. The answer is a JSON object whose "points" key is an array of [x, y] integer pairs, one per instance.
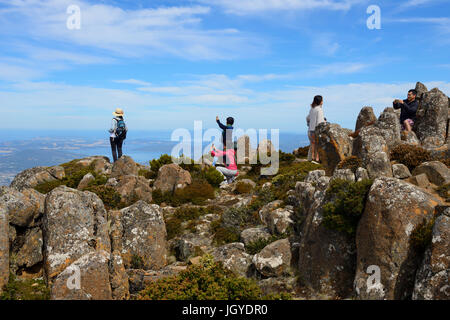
{"points": [[422, 235], [302, 152], [110, 198], [147, 174], [155, 164], [207, 281], [345, 205], [444, 191], [352, 163], [74, 172], [27, 289], [243, 187], [288, 175], [256, 246], [409, 155], [213, 177], [196, 193], [174, 224], [234, 220], [137, 262]]}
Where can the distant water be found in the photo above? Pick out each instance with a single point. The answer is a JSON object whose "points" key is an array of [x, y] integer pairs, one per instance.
{"points": [[22, 149]]}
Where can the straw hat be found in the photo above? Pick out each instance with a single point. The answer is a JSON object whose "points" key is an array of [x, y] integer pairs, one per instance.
{"points": [[118, 112]]}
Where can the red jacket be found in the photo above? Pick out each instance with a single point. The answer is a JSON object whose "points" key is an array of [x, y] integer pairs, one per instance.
{"points": [[231, 165]]}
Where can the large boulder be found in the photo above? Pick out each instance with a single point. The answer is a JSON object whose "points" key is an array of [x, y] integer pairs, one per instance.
{"points": [[378, 165], [234, 258], [400, 171], [388, 125], [139, 234], [172, 177], [132, 188], [275, 259], [393, 211], [124, 166], [432, 278], [334, 145], [254, 234], [76, 241], [421, 90], [436, 171], [265, 147], [431, 118], [30, 178], [366, 117], [30, 253], [23, 207], [87, 278], [4, 246], [326, 258]]}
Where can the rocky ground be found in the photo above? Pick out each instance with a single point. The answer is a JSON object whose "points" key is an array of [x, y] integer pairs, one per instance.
{"points": [[371, 222]]}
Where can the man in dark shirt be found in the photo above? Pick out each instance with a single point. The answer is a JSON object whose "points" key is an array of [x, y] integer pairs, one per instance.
{"points": [[408, 110], [227, 134]]}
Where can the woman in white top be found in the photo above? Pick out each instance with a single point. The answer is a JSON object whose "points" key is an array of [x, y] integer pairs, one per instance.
{"points": [[314, 118]]}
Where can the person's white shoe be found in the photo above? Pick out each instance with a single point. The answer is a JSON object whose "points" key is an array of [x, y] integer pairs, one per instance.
{"points": [[314, 162]]}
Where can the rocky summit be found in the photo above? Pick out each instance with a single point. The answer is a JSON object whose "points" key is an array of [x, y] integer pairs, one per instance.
{"points": [[372, 221]]}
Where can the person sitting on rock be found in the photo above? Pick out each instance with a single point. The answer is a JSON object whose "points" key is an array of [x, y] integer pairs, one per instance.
{"points": [[118, 133], [229, 172], [408, 110], [227, 133]]}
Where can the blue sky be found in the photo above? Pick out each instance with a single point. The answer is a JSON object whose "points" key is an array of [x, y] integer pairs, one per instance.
{"points": [[168, 63]]}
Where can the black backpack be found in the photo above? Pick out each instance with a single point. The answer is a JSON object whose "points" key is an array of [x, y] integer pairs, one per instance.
{"points": [[121, 131]]}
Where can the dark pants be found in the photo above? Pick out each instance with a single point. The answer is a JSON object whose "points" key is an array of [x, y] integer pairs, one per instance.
{"points": [[116, 147]]}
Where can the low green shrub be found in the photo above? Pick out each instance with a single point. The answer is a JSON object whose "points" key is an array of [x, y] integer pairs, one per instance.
{"points": [[147, 174], [196, 193], [344, 205], [214, 177], [422, 235], [110, 198], [207, 281], [26, 289], [136, 262], [256, 246], [302, 152], [352, 163], [243, 187], [155, 164], [410, 155], [444, 191], [74, 173]]}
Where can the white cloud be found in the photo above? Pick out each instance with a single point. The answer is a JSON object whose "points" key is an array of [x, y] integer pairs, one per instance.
{"points": [[162, 31], [244, 7], [51, 105]]}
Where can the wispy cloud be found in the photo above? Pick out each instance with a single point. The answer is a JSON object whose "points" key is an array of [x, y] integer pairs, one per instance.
{"points": [[162, 31], [245, 7]]}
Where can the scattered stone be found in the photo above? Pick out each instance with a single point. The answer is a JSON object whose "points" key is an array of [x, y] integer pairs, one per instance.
{"points": [[379, 165], [275, 259], [84, 183], [23, 207], [343, 174], [30, 178], [400, 171], [361, 174], [436, 171], [233, 257], [172, 177], [254, 234], [421, 180], [30, 253]]}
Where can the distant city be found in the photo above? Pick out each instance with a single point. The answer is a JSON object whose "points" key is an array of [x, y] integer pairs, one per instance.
{"points": [[23, 149]]}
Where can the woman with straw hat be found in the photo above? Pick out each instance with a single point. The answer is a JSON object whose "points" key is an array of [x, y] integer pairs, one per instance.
{"points": [[118, 133]]}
